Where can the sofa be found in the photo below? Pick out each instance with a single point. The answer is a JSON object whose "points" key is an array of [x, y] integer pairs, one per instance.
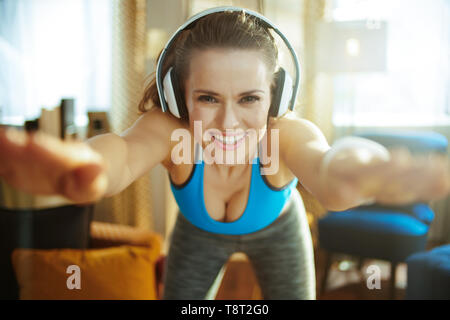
{"points": [[38, 245]]}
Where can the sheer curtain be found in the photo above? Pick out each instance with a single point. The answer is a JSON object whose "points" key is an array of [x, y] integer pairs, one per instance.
{"points": [[51, 49], [133, 206]]}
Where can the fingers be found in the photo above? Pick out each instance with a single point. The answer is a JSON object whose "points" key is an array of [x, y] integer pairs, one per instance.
{"points": [[72, 153], [404, 178], [415, 179], [437, 181], [13, 138], [12, 142], [41, 164], [86, 183]]}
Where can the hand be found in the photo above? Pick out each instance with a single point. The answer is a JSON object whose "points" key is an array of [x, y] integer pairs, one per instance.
{"points": [[408, 179], [41, 164], [367, 172]]}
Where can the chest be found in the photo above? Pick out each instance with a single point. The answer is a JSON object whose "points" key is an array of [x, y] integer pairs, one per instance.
{"points": [[225, 198]]}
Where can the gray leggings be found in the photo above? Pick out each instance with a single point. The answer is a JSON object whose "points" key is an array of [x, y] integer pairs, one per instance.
{"points": [[281, 255]]}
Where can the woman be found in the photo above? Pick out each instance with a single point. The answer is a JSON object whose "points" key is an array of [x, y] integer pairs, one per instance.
{"points": [[225, 65]]}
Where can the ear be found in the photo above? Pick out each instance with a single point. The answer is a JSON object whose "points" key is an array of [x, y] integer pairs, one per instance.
{"points": [[282, 93]]}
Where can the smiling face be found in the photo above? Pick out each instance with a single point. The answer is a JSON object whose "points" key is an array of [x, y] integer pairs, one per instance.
{"points": [[229, 92]]}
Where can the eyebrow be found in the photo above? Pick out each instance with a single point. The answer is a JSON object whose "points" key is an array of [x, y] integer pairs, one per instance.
{"points": [[212, 93]]}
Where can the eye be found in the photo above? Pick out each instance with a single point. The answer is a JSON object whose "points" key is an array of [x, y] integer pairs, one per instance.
{"points": [[207, 99], [249, 99]]}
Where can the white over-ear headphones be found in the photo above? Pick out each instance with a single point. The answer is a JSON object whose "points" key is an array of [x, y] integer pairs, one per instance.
{"points": [[171, 97]]}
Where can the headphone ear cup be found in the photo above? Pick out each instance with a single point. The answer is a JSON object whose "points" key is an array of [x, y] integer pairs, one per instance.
{"points": [[276, 94], [172, 95], [179, 97], [282, 93]]}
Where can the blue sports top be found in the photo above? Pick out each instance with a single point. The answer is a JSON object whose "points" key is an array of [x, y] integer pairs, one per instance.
{"points": [[264, 203]]}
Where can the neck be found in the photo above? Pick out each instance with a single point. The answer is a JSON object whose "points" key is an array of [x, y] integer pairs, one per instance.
{"points": [[230, 171]]}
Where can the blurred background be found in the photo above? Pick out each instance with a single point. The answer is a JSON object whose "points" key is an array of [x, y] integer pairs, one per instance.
{"points": [[377, 65]]}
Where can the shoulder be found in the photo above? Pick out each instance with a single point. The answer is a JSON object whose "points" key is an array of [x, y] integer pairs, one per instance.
{"points": [[293, 128], [154, 129], [160, 121], [159, 125]]}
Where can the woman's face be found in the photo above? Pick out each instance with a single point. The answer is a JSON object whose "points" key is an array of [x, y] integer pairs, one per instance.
{"points": [[228, 92]]}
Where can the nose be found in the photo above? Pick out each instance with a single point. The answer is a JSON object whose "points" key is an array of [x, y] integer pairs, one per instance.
{"points": [[229, 117]]}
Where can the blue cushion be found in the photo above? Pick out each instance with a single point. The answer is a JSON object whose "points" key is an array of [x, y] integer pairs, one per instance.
{"points": [[387, 235], [420, 211], [429, 274], [416, 141]]}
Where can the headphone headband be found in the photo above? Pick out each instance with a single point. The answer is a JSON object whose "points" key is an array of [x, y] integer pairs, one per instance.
{"points": [[189, 22]]}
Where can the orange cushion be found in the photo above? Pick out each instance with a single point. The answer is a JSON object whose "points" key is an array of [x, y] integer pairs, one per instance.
{"points": [[125, 272], [104, 234]]}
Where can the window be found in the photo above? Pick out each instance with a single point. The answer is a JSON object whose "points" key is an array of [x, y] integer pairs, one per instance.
{"points": [[51, 49], [413, 90]]}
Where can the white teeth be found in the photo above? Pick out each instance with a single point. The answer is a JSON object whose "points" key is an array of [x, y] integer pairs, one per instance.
{"points": [[229, 139]]}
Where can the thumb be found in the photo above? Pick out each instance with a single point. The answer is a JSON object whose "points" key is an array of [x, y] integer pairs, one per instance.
{"points": [[85, 183]]}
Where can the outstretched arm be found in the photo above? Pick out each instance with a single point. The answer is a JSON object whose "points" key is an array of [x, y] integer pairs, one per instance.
{"points": [[135, 151], [83, 172], [356, 170]]}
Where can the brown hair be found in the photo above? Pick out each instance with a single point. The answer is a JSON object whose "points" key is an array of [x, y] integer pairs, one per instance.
{"points": [[230, 30]]}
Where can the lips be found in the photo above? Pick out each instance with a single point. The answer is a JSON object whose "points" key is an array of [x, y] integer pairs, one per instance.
{"points": [[229, 140]]}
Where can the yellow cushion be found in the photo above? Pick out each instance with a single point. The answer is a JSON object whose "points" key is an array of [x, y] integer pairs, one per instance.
{"points": [[125, 272]]}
